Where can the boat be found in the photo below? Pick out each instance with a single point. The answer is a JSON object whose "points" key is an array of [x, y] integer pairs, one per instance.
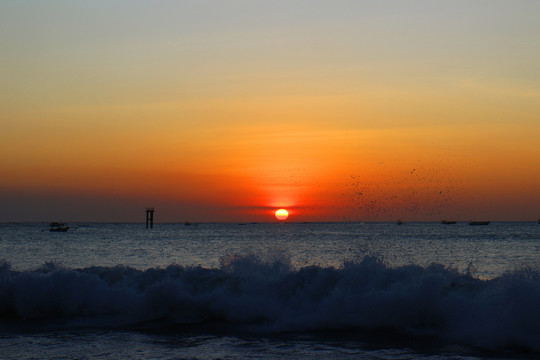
{"points": [[446, 222], [399, 222], [479, 222], [59, 227]]}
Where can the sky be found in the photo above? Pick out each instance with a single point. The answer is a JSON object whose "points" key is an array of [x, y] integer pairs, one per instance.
{"points": [[338, 110]]}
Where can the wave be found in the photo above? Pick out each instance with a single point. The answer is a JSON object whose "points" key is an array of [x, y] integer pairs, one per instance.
{"points": [[270, 296]]}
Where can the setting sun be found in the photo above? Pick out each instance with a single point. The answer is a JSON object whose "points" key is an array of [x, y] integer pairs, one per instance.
{"points": [[282, 214]]}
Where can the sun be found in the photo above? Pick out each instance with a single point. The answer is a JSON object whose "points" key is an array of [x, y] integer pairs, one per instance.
{"points": [[282, 214]]}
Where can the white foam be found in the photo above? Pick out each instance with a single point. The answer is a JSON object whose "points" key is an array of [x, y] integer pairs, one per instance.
{"points": [[271, 296]]}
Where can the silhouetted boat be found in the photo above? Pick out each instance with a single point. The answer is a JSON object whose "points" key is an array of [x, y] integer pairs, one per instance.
{"points": [[479, 222], [446, 222], [59, 227], [399, 222]]}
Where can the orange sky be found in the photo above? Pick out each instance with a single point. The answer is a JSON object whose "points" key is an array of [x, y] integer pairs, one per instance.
{"points": [[356, 112]]}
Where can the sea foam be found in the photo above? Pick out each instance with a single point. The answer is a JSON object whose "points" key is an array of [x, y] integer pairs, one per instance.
{"points": [[271, 296]]}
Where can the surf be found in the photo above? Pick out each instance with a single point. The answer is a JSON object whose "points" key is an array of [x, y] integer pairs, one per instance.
{"points": [[270, 296]]}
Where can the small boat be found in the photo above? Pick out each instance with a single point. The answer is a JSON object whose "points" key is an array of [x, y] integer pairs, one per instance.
{"points": [[479, 222], [446, 222], [59, 227], [399, 222]]}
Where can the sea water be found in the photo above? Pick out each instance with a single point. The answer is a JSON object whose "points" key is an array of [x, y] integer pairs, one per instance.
{"points": [[273, 290]]}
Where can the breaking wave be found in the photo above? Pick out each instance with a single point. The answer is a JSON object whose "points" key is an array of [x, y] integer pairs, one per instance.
{"points": [[270, 296]]}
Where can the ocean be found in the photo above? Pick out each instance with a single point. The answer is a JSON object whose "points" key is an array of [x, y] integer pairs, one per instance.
{"points": [[270, 291]]}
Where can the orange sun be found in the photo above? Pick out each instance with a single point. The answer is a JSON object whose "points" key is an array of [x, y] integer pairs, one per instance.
{"points": [[282, 214]]}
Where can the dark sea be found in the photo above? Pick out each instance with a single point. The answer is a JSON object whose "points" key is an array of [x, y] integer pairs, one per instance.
{"points": [[270, 291]]}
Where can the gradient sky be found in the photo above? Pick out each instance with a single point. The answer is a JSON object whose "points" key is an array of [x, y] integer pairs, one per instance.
{"points": [[228, 110]]}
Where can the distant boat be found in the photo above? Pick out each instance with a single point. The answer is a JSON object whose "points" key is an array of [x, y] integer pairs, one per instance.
{"points": [[399, 222], [446, 222], [59, 227], [479, 222]]}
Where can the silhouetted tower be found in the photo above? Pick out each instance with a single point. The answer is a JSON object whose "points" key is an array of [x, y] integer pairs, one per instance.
{"points": [[150, 217]]}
